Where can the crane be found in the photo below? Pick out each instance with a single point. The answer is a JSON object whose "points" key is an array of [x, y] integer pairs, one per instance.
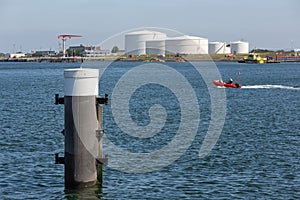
{"points": [[64, 39]]}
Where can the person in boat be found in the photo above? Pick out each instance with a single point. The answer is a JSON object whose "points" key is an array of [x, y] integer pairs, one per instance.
{"points": [[230, 81]]}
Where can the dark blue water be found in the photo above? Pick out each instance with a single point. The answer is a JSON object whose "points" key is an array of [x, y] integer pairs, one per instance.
{"points": [[256, 156]]}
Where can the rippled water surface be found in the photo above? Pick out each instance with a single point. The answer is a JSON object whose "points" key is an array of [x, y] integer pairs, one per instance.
{"points": [[256, 157]]}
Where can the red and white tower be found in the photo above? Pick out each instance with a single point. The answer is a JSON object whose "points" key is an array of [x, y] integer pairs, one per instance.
{"points": [[64, 39]]}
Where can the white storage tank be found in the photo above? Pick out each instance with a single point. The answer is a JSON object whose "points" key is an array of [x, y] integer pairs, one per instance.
{"points": [[187, 45], [218, 48], [135, 42], [157, 47], [239, 47]]}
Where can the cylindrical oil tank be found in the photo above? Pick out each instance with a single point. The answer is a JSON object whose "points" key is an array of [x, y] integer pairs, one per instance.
{"points": [[135, 42], [239, 47], [157, 47], [187, 45], [218, 48]]}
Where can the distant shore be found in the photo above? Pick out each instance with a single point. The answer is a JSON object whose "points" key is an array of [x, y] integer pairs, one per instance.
{"points": [[116, 59], [145, 58]]}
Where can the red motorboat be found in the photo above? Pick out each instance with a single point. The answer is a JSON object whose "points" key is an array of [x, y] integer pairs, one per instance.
{"points": [[224, 84]]}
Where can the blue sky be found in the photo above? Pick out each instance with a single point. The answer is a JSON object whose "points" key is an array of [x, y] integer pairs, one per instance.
{"points": [[34, 24]]}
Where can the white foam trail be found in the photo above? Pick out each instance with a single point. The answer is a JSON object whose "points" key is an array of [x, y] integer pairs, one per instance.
{"points": [[270, 87]]}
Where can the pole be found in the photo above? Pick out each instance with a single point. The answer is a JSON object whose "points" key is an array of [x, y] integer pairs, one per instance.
{"points": [[81, 126], [64, 47], [99, 136]]}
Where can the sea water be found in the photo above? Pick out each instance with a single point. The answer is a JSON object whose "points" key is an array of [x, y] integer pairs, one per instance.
{"points": [[255, 157]]}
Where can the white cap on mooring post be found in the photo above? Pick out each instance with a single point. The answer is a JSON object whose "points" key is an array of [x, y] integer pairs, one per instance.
{"points": [[81, 82]]}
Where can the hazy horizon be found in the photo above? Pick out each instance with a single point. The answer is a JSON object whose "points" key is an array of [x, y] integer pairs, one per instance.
{"points": [[34, 25]]}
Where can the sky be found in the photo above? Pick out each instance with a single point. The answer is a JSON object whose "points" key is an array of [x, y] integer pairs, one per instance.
{"points": [[29, 25]]}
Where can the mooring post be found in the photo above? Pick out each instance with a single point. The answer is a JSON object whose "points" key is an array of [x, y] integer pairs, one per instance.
{"points": [[81, 127], [83, 131]]}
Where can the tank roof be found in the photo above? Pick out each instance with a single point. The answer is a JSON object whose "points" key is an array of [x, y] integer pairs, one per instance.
{"points": [[144, 32], [237, 42], [217, 42], [186, 37]]}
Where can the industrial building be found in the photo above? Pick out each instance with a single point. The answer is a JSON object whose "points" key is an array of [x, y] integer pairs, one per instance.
{"points": [[187, 45], [43, 53], [157, 47], [239, 47], [153, 42], [95, 53], [15, 55], [87, 51], [218, 48], [135, 42]]}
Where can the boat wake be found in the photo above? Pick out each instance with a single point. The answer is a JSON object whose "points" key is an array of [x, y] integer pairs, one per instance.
{"points": [[270, 87]]}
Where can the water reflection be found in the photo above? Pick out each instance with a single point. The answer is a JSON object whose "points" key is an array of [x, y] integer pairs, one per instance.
{"points": [[93, 192]]}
